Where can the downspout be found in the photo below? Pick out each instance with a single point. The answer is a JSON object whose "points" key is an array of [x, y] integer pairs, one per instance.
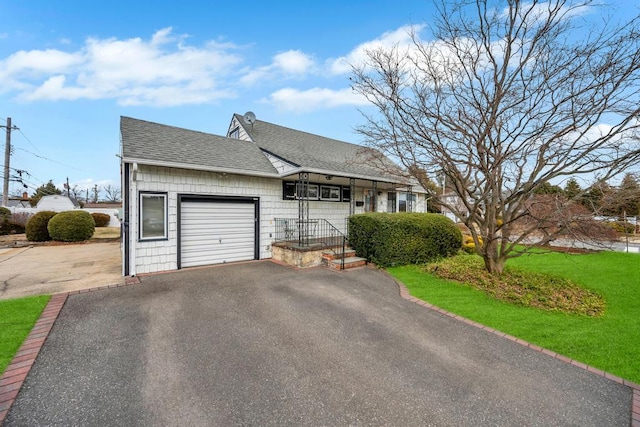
{"points": [[125, 218], [133, 219]]}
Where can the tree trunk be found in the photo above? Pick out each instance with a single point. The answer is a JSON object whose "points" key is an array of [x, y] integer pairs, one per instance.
{"points": [[493, 262]]}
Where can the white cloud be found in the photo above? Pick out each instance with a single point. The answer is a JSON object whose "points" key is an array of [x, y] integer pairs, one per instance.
{"points": [[160, 71], [400, 38], [295, 100], [289, 64]]}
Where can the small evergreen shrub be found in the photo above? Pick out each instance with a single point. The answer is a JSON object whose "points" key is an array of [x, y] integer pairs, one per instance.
{"points": [[72, 226], [101, 219], [36, 228], [403, 238], [5, 213]]}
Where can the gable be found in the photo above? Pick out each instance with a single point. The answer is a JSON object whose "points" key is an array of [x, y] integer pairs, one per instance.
{"points": [[317, 153]]}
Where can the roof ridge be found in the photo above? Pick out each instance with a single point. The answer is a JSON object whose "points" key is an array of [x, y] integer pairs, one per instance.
{"points": [[176, 127], [304, 132]]}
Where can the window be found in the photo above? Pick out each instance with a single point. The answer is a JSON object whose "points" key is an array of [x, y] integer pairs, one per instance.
{"points": [[311, 193], [329, 192], [288, 190], [391, 201], [346, 194], [407, 202], [291, 190], [235, 133], [153, 216]]}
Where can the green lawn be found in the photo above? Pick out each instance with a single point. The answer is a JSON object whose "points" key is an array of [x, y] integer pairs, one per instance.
{"points": [[610, 343], [17, 317]]}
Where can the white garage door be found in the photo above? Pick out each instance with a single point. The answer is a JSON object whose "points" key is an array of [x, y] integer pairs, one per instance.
{"points": [[216, 232]]}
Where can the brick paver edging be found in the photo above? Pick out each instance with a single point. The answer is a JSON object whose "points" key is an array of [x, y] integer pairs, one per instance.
{"points": [[17, 371], [15, 374], [635, 406]]}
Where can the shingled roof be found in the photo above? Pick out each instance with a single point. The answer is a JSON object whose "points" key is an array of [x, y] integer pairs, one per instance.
{"points": [[152, 143], [316, 153]]}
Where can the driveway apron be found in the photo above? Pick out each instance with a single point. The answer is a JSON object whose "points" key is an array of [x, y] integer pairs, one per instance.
{"points": [[262, 344]]}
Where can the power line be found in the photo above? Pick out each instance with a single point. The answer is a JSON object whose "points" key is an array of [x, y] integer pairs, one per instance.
{"points": [[49, 160], [28, 140]]}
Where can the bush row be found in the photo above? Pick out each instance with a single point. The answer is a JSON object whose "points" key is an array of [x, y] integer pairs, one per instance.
{"points": [[403, 238], [68, 226]]}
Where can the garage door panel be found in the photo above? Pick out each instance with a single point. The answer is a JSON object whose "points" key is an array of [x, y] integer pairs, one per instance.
{"points": [[214, 232]]}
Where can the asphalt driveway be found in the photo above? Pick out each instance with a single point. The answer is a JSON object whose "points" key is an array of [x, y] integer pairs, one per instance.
{"points": [[262, 344]]}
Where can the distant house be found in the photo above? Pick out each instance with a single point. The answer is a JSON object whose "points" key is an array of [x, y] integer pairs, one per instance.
{"points": [[56, 203], [19, 202], [192, 198]]}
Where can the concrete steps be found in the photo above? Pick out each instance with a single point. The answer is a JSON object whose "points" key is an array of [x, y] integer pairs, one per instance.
{"points": [[333, 259]]}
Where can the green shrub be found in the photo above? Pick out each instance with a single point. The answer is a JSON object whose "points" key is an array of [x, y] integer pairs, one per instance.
{"points": [[101, 219], [36, 228], [5, 213], [72, 226], [403, 238], [7, 226], [623, 227]]}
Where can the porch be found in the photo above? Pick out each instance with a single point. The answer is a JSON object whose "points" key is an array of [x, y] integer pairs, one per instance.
{"points": [[312, 242]]}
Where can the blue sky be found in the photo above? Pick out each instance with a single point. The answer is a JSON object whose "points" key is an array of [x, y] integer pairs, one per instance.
{"points": [[69, 69]]}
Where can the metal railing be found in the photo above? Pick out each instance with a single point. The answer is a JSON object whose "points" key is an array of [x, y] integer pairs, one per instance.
{"points": [[310, 233]]}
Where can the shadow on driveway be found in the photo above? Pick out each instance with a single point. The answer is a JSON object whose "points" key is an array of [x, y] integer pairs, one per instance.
{"points": [[262, 344]]}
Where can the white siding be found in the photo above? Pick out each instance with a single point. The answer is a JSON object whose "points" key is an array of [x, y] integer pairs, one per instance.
{"points": [[162, 255]]}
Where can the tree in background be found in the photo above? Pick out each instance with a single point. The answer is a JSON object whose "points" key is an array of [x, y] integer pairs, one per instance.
{"points": [[507, 97], [548, 188], [95, 191], [572, 189], [627, 197], [112, 194], [44, 190]]}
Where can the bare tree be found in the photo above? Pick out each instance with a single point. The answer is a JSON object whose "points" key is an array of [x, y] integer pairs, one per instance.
{"points": [[112, 194], [95, 194], [76, 194], [506, 97]]}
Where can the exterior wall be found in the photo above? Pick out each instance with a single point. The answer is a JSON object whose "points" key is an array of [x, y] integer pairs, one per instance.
{"points": [[56, 203], [162, 255], [234, 124], [280, 165]]}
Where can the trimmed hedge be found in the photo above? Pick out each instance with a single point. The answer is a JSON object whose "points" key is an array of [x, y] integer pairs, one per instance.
{"points": [[72, 226], [388, 239], [36, 228], [101, 219]]}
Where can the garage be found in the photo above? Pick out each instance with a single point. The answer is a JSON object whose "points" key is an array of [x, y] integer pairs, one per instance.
{"points": [[216, 230]]}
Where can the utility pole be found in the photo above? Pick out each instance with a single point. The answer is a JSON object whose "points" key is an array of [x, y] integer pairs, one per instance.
{"points": [[7, 159]]}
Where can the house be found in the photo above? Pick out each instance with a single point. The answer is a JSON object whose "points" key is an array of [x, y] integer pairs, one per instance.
{"points": [[56, 203], [19, 202], [192, 198]]}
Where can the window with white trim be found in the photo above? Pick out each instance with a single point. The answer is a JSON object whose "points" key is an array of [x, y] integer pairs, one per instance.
{"points": [[153, 216]]}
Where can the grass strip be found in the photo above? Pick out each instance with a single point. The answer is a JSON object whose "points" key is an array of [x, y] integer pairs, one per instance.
{"points": [[608, 342], [17, 317]]}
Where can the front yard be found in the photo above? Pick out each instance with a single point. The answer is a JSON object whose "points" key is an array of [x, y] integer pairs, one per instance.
{"points": [[609, 342], [17, 319]]}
